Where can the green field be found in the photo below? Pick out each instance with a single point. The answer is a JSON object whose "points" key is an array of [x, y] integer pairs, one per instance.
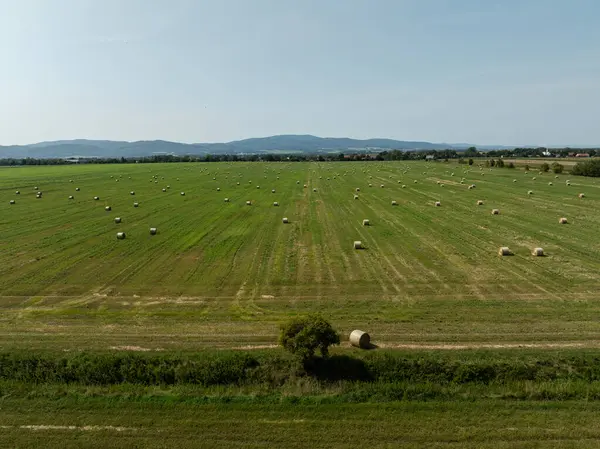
{"points": [[225, 274]]}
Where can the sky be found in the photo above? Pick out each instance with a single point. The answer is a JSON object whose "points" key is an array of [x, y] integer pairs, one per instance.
{"points": [[513, 72]]}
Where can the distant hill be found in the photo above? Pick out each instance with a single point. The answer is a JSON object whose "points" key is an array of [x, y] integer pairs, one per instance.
{"points": [[284, 143]]}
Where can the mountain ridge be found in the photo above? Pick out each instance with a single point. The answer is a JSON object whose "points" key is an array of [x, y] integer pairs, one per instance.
{"points": [[290, 143]]}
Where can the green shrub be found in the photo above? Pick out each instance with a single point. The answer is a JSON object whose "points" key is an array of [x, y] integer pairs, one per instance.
{"points": [[557, 168], [303, 336], [470, 161], [511, 165], [545, 167], [587, 168]]}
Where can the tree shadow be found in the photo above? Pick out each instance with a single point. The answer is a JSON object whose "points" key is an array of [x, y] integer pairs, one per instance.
{"points": [[338, 367]]}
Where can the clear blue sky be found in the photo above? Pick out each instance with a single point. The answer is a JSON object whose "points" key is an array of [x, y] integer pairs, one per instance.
{"points": [[480, 71]]}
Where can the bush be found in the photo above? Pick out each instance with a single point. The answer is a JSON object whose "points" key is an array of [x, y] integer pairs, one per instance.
{"points": [[557, 168], [303, 336], [545, 167], [500, 163], [587, 168], [526, 167], [470, 161], [511, 165]]}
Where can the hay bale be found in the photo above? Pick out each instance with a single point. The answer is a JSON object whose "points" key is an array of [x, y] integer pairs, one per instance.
{"points": [[96, 198], [538, 252], [153, 231], [360, 339], [394, 203], [504, 251], [164, 190], [118, 220], [182, 193], [12, 202], [403, 186], [358, 244], [35, 188], [248, 203], [530, 192], [314, 190], [71, 197], [534, 178], [273, 191], [297, 182], [365, 222], [514, 180], [227, 200], [132, 193], [438, 204], [355, 197], [120, 235], [258, 187], [415, 181], [285, 220], [563, 220], [495, 212], [480, 203], [275, 204], [358, 189], [550, 184], [135, 204], [305, 186], [581, 195], [17, 193], [107, 208], [218, 189], [77, 189], [382, 186]]}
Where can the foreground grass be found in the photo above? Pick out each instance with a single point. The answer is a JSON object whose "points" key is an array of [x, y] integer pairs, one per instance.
{"points": [[480, 424]]}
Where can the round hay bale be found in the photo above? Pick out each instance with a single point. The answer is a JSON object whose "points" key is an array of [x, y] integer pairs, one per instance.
{"points": [[415, 181], [218, 189], [153, 231], [285, 220], [581, 195], [273, 191], [480, 203], [550, 184], [495, 212], [514, 180], [120, 235], [96, 198], [17, 193], [227, 200], [538, 252], [77, 189], [534, 178], [238, 183], [556, 177], [258, 187], [358, 189], [355, 197], [135, 204], [403, 186], [358, 244], [568, 184], [35, 188], [370, 185], [504, 251], [360, 339], [164, 190], [12, 202], [305, 186], [382, 186], [248, 203], [563, 220], [71, 197], [314, 190], [438, 204], [182, 193], [394, 203], [107, 208], [365, 222], [530, 192], [297, 182], [118, 220], [275, 204], [132, 193]]}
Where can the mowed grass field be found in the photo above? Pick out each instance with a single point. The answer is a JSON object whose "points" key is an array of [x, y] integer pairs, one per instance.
{"points": [[223, 274]]}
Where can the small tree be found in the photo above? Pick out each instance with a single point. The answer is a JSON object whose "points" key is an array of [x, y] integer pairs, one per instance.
{"points": [[545, 167], [557, 168], [470, 161], [526, 167], [303, 336], [500, 163], [511, 165]]}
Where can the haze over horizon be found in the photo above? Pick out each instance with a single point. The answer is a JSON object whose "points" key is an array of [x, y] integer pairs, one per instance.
{"points": [[523, 72]]}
